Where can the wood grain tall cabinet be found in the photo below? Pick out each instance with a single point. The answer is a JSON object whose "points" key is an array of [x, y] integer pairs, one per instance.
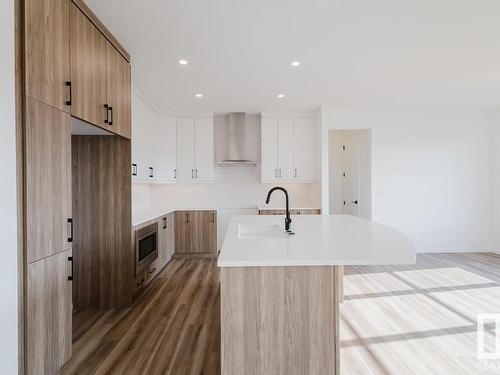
{"points": [[68, 64]]}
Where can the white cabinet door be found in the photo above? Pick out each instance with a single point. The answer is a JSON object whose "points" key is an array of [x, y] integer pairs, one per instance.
{"points": [[269, 149], [164, 148], [303, 149], [185, 148], [285, 148], [141, 140], [204, 165]]}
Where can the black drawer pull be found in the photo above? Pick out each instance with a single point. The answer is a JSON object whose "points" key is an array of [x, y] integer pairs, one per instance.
{"points": [[70, 277], [70, 227], [68, 102], [106, 120], [111, 117]]}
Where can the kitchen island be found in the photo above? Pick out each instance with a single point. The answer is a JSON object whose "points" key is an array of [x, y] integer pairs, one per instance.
{"points": [[280, 292]]}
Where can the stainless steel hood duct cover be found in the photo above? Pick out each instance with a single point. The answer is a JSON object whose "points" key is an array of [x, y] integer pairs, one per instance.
{"points": [[237, 141]]}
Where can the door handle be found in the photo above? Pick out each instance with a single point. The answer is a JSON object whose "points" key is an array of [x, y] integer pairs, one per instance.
{"points": [[196, 173], [295, 171], [111, 117], [151, 172], [134, 169], [355, 202], [68, 102], [213, 217], [192, 173], [106, 120], [70, 277], [175, 173], [275, 173], [187, 217], [280, 172], [70, 230], [164, 223]]}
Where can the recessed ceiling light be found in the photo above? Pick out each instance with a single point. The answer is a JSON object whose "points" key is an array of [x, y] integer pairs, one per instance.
{"points": [[280, 96], [199, 95], [295, 63], [183, 62]]}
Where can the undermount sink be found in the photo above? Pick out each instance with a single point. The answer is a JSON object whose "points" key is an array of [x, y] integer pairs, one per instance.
{"points": [[260, 231]]}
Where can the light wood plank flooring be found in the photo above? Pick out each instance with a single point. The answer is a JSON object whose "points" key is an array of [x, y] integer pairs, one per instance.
{"points": [[417, 319]]}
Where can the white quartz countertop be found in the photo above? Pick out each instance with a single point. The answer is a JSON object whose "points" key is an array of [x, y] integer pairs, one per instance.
{"points": [[318, 240]]}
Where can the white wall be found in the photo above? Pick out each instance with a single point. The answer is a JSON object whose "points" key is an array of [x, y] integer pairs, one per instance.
{"points": [[8, 207], [431, 174], [495, 173]]}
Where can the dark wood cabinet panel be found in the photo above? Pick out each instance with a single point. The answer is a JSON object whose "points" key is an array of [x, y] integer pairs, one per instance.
{"points": [[46, 51], [88, 69], [118, 92], [47, 180], [196, 232], [49, 306], [102, 247]]}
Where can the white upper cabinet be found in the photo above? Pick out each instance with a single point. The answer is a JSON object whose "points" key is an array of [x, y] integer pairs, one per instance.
{"points": [[153, 144], [164, 149], [204, 163], [287, 151], [285, 148], [195, 149], [303, 149], [185, 148], [269, 151]]}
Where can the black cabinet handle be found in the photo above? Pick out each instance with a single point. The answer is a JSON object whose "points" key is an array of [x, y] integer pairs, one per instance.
{"points": [[106, 120], [164, 223], [70, 225], [175, 173], [68, 102], [111, 118], [187, 217], [355, 202], [70, 277], [151, 172], [213, 217], [134, 169]]}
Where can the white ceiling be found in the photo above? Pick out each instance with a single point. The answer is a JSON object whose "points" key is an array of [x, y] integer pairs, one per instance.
{"points": [[356, 53]]}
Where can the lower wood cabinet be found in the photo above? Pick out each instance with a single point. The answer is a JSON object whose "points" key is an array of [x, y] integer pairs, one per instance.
{"points": [[49, 317], [196, 232]]}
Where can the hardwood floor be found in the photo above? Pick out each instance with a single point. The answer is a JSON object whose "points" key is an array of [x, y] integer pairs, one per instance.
{"points": [[173, 328], [400, 320]]}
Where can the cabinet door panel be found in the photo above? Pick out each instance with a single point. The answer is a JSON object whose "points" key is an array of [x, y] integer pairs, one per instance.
{"points": [[118, 91], [303, 149], [185, 148], [269, 149], [47, 51], [163, 139], [204, 149], [88, 69], [48, 324], [285, 148], [184, 225], [48, 180], [206, 232], [170, 235]]}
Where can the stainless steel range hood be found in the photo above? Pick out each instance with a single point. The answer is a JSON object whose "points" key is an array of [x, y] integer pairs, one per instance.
{"points": [[237, 141]]}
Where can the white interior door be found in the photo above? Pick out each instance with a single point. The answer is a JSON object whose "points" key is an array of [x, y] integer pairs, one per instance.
{"points": [[351, 174], [269, 149], [204, 149], [303, 149], [185, 148], [285, 148]]}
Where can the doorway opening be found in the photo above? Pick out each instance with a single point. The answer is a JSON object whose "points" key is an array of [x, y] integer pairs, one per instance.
{"points": [[350, 161]]}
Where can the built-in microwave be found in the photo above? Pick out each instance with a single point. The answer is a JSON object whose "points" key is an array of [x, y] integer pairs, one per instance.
{"points": [[146, 247]]}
